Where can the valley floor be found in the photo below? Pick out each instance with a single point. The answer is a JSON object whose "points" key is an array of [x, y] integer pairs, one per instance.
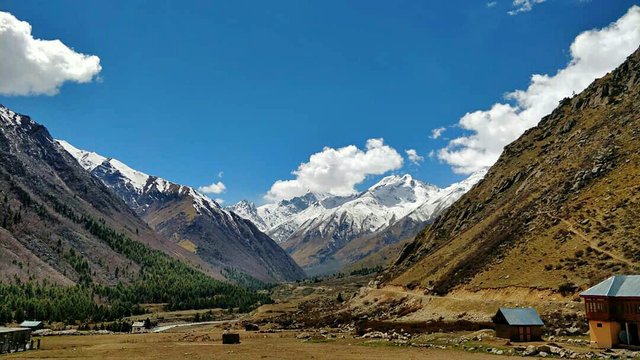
{"points": [[205, 343]]}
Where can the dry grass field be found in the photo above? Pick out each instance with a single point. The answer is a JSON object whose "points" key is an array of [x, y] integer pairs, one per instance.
{"points": [[205, 343]]}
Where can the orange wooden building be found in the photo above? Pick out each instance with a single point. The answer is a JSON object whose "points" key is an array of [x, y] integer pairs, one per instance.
{"points": [[613, 311]]}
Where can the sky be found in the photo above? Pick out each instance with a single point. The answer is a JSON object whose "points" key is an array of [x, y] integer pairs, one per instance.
{"points": [[268, 100]]}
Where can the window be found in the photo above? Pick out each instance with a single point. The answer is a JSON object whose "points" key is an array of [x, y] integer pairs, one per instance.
{"points": [[599, 325]]}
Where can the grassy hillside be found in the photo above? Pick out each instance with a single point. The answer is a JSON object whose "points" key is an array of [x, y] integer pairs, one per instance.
{"points": [[559, 210]]}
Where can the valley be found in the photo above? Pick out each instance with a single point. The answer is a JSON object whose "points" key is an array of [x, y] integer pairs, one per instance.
{"points": [[225, 190]]}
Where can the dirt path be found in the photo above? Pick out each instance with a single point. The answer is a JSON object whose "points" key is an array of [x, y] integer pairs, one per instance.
{"points": [[590, 242], [173, 326]]}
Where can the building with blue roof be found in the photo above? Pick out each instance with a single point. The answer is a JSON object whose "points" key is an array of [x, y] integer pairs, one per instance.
{"points": [[613, 311], [518, 324]]}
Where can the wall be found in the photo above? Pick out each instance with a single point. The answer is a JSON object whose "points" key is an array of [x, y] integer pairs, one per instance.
{"points": [[605, 336]]}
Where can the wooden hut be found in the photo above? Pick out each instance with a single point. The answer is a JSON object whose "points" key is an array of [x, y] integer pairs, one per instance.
{"points": [[518, 324], [14, 339], [613, 311], [230, 338], [32, 324], [138, 327]]}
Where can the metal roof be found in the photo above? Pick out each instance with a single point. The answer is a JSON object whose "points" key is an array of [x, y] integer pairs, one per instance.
{"points": [[29, 323], [521, 316], [10, 330], [138, 324], [616, 286]]}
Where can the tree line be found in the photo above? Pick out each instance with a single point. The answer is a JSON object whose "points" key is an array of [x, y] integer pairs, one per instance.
{"points": [[161, 279]]}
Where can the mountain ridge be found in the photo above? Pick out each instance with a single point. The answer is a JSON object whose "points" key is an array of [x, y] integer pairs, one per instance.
{"points": [[323, 232], [558, 209], [192, 220], [47, 201]]}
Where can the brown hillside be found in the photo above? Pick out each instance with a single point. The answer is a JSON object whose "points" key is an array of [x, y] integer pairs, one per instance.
{"points": [[561, 205]]}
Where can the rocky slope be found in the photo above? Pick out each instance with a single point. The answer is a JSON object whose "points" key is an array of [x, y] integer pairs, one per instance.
{"points": [[559, 210], [192, 220], [323, 233], [51, 210]]}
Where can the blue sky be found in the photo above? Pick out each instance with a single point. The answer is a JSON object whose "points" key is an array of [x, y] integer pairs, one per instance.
{"points": [[189, 89]]}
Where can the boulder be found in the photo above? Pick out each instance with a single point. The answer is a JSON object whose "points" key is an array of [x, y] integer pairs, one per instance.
{"points": [[530, 351]]}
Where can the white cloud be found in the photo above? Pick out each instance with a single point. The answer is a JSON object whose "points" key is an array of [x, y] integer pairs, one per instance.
{"points": [[491, 4], [220, 174], [31, 66], [414, 157], [219, 201], [593, 54], [337, 171], [215, 188], [521, 6], [436, 133]]}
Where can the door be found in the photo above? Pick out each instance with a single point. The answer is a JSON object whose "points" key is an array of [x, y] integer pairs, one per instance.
{"points": [[528, 330], [633, 334], [521, 333]]}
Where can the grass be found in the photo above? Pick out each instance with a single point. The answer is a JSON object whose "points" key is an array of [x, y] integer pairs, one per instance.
{"points": [[205, 343]]}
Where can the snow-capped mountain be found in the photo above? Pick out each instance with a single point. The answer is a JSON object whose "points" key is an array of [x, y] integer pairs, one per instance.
{"points": [[315, 228], [192, 220]]}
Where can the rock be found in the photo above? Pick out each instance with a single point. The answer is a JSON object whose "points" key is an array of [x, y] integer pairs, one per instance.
{"points": [[555, 350], [530, 351], [543, 354], [573, 330], [303, 336], [544, 348]]}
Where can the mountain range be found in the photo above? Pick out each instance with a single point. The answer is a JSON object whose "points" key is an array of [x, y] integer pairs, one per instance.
{"points": [[192, 220], [56, 218], [559, 210], [324, 233]]}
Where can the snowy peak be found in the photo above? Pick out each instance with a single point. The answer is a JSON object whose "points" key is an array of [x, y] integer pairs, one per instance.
{"points": [[398, 190], [135, 186], [91, 160], [15, 120], [317, 228], [10, 117], [388, 201], [88, 160]]}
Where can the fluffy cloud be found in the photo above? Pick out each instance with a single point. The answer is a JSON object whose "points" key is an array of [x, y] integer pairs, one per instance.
{"points": [[31, 66], [521, 6], [219, 201], [436, 133], [337, 171], [414, 157], [491, 4], [215, 188], [593, 54]]}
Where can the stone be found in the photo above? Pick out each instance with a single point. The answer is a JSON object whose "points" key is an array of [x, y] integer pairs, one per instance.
{"points": [[530, 351], [544, 348]]}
